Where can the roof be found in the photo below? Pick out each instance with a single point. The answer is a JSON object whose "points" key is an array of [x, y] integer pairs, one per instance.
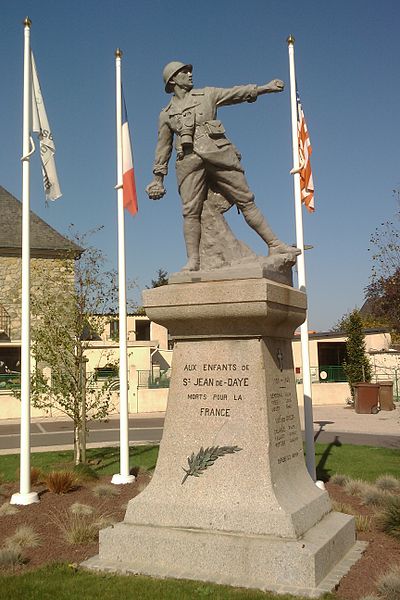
{"points": [[318, 335], [44, 239]]}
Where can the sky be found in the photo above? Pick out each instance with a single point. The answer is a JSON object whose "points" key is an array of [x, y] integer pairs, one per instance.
{"points": [[347, 59]]}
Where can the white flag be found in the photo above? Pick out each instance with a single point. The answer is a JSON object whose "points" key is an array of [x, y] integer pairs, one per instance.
{"points": [[40, 125]]}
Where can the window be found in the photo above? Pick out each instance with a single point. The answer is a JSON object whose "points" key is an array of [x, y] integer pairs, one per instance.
{"points": [[142, 328], [330, 360]]}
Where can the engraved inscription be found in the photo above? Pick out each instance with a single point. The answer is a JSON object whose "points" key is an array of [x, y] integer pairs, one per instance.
{"points": [[285, 435], [220, 401]]}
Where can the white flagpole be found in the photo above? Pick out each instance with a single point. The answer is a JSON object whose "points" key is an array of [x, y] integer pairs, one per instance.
{"points": [[301, 270], [123, 476], [25, 496]]}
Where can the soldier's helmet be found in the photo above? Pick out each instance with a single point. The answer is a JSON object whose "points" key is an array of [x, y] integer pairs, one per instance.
{"points": [[172, 69]]}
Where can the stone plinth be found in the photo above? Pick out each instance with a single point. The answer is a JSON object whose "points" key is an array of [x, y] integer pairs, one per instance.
{"points": [[250, 515]]}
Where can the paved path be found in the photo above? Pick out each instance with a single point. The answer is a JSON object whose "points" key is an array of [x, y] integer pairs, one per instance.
{"points": [[331, 423]]}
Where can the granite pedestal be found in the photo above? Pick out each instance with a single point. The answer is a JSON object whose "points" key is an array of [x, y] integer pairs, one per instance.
{"points": [[231, 500]]}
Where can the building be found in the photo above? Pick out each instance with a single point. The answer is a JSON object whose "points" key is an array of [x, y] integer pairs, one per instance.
{"points": [[327, 353], [149, 359]]}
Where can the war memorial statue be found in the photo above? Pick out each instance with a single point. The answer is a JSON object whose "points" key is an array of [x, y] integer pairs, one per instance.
{"points": [[230, 500], [206, 161]]}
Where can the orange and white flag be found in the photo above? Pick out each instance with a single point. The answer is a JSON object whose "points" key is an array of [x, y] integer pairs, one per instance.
{"points": [[305, 151]]}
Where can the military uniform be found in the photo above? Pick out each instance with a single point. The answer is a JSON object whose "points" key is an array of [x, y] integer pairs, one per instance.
{"points": [[214, 160]]}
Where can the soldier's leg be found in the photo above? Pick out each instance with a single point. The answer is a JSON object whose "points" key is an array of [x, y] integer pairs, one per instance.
{"points": [[193, 192], [233, 185]]}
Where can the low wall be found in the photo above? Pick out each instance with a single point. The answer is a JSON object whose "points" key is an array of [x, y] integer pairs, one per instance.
{"points": [[10, 408], [325, 393], [150, 400]]}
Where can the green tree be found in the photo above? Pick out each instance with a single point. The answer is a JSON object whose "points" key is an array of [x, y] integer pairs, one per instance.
{"points": [[356, 366], [68, 308], [162, 279]]}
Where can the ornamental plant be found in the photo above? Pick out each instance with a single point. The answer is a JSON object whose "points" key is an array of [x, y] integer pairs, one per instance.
{"points": [[356, 366]]}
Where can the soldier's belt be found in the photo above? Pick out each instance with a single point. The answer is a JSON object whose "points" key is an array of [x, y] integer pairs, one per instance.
{"points": [[209, 128]]}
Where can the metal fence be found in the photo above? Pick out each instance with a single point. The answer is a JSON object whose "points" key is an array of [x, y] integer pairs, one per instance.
{"points": [[10, 381], [380, 375], [332, 373]]}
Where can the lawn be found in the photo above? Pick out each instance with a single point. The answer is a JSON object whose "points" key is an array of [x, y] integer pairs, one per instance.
{"points": [[103, 460], [358, 462], [66, 583], [364, 462]]}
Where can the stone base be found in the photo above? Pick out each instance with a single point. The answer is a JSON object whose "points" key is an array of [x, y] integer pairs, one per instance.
{"points": [[309, 566], [274, 268], [230, 500]]}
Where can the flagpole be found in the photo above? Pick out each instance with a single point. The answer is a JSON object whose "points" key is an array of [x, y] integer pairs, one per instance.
{"points": [[301, 271], [123, 476], [25, 496]]}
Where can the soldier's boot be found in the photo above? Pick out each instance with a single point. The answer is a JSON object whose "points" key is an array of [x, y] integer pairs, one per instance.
{"points": [[192, 233], [257, 221]]}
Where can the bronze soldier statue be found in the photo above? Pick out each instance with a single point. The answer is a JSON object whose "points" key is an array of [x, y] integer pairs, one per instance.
{"points": [[205, 157]]}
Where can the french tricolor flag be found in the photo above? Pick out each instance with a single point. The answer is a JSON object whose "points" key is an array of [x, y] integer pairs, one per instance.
{"points": [[128, 173]]}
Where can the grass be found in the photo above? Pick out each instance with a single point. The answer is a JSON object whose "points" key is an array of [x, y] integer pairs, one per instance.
{"points": [[79, 528], [363, 522], [105, 490], [7, 509], [365, 462], [77, 508], [65, 583], [24, 537], [389, 584], [105, 460], [388, 520], [358, 462], [10, 557], [60, 482]]}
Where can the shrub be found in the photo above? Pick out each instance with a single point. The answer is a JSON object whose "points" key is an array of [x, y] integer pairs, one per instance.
{"points": [[363, 522], [7, 509], [81, 509], [85, 472], [79, 528], [10, 557], [342, 507], [388, 520], [373, 496], [24, 537], [339, 479], [389, 584], [370, 597], [355, 487], [388, 483], [105, 490], [36, 476], [60, 482]]}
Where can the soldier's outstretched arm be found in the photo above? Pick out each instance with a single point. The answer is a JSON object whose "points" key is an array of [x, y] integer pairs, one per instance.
{"points": [[273, 87], [244, 93]]}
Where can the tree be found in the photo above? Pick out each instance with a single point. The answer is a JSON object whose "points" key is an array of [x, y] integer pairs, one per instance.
{"points": [[162, 279], [383, 292], [356, 366], [68, 307], [369, 321]]}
